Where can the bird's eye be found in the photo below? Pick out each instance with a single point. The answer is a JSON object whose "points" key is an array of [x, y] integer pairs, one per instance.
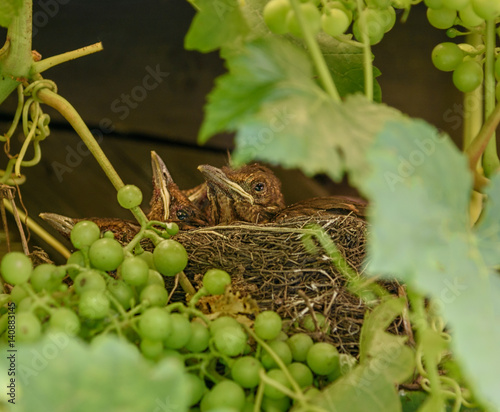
{"points": [[259, 187], [182, 214]]}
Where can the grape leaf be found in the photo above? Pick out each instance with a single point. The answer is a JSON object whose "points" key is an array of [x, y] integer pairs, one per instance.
{"points": [[217, 23], [282, 116], [384, 361], [64, 374], [419, 191], [8, 10]]}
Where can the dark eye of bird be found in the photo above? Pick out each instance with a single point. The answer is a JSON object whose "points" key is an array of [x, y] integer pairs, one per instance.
{"points": [[182, 214], [259, 187]]}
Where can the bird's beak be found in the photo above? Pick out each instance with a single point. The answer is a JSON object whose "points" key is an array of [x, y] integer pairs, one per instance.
{"points": [[218, 177], [161, 181], [62, 224]]}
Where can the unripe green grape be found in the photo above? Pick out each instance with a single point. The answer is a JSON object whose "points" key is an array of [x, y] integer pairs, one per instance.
{"points": [[106, 254], [340, 6], [134, 271], [312, 18], [196, 388], [154, 324], [447, 56], [28, 327], [147, 256], [222, 322], [122, 292], [275, 405], [374, 25], [200, 335], [154, 295], [245, 372], [468, 76], [442, 18], [129, 196], [346, 364], [334, 22], [180, 331], [379, 4], [89, 280], [84, 233], [388, 16], [275, 13], [230, 341], [215, 281], [323, 358], [301, 374], [64, 319], [17, 294], [25, 305], [42, 278], [279, 376], [154, 278], [93, 304], [151, 349], [279, 348], [455, 4], [308, 322], [16, 268], [225, 395], [170, 257], [487, 9], [299, 344], [267, 325], [76, 258], [434, 4], [469, 17]]}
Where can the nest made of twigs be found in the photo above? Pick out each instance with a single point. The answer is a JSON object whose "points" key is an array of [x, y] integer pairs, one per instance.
{"points": [[271, 263]]}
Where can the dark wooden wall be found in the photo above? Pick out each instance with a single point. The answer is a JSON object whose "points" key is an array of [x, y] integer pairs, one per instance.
{"points": [[140, 36]]}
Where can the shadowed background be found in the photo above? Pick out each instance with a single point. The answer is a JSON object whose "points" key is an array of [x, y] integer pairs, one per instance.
{"points": [[145, 92]]}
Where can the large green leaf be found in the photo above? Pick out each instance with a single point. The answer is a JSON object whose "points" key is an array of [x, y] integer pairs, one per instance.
{"points": [[419, 190], [384, 362], [8, 10], [63, 374]]}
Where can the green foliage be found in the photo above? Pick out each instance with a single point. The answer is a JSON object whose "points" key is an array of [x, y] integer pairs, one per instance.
{"points": [[8, 10], [420, 188], [107, 375]]}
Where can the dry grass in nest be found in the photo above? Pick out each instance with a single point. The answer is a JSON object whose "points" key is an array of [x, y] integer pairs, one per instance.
{"points": [[271, 263]]}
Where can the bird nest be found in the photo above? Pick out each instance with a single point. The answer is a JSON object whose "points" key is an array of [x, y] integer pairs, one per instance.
{"points": [[272, 264]]}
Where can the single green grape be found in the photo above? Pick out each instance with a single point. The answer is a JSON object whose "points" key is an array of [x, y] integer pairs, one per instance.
{"points": [[374, 26], [200, 335], [279, 376], [180, 331], [434, 4], [486, 9], [222, 322], [301, 374], [378, 4], [28, 327], [76, 258], [129, 196], [275, 405], [335, 22], [468, 76], [447, 56], [17, 294], [215, 281], [16, 268], [388, 17], [308, 323], [455, 4], [106, 254], [442, 18], [147, 256], [154, 324], [323, 358], [154, 295], [225, 395], [64, 319], [312, 18], [299, 344], [469, 17], [151, 349], [43, 278], [340, 6], [275, 13], [230, 341], [122, 292], [245, 371], [108, 234], [267, 325], [196, 389], [89, 280], [281, 349], [84, 233], [170, 257], [93, 304]]}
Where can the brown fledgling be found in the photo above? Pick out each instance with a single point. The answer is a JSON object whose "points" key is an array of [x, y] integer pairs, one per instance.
{"points": [[251, 193], [323, 207]]}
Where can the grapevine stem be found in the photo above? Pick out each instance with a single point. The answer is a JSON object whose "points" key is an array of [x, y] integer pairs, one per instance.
{"points": [[42, 65], [68, 111], [367, 53], [490, 157], [317, 56]]}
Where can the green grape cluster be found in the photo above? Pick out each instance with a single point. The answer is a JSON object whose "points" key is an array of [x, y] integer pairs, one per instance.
{"points": [[107, 289], [374, 19]]}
